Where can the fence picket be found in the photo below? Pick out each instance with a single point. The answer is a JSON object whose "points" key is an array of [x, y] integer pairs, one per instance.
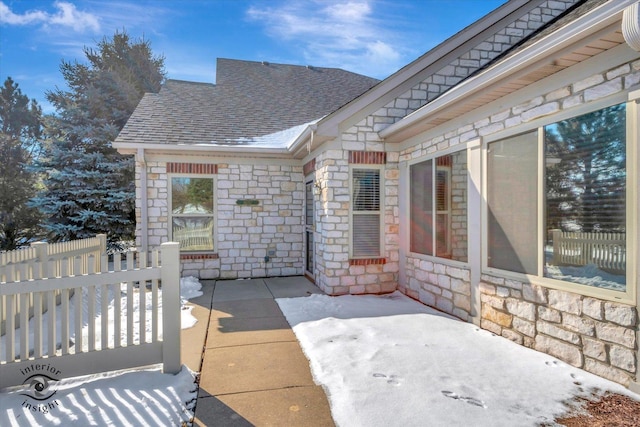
{"points": [[71, 278], [64, 321]]}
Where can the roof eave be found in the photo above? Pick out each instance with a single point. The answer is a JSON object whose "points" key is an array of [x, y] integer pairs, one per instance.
{"points": [[328, 126], [597, 19]]}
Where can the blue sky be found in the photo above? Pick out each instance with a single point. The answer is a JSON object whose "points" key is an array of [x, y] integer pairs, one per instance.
{"points": [[371, 37]]}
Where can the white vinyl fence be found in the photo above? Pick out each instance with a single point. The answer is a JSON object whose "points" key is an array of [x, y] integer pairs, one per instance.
{"points": [[25, 264], [606, 250], [103, 327]]}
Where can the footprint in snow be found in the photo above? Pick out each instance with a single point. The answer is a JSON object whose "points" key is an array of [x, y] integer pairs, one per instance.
{"points": [[391, 379], [470, 400]]}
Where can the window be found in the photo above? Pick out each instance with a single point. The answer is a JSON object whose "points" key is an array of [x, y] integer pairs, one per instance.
{"points": [[366, 214], [192, 213], [577, 169], [439, 207]]}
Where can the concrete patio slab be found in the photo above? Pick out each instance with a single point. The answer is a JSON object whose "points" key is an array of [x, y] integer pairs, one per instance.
{"points": [[291, 287], [254, 372], [296, 406], [232, 331], [245, 308], [192, 340], [230, 290], [254, 367]]}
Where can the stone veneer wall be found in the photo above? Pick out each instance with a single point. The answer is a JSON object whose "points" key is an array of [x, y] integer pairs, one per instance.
{"points": [[244, 234], [335, 273], [596, 335]]}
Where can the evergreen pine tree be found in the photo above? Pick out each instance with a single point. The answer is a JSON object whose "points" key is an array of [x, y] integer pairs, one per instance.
{"points": [[90, 187], [20, 125]]}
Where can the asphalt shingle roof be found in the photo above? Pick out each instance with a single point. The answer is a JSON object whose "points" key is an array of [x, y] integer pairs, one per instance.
{"points": [[249, 99]]}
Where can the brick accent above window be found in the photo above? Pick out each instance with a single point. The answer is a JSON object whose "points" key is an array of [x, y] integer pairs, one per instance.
{"points": [[199, 256], [194, 168], [367, 261], [309, 167], [367, 158]]}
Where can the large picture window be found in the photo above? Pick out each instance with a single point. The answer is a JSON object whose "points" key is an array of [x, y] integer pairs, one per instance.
{"points": [[192, 213], [439, 207], [366, 213], [579, 176]]}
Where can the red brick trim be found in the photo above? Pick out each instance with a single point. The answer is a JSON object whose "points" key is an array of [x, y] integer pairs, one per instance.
{"points": [[309, 167], [199, 256], [195, 168], [367, 158], [367, 261]]}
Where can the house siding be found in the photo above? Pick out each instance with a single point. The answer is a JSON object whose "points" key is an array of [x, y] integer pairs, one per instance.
{"points": [[590, 333], [245, 234]]}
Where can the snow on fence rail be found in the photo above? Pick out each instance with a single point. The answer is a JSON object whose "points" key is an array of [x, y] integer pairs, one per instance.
{"points": [[26, 264], [606, 250], [103, 327]]}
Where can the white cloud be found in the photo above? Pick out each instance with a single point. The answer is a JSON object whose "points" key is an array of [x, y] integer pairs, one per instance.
{"points": [[67, 15], [335, 34]]}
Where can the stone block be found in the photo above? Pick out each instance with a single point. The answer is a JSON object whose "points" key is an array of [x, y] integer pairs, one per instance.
{"points": [[592, 307], [594, 348], [495, 316], [487, 288], [623, 358], [523, 309], [512, 336], [607, 371], [462, 301], [565, 301], [460, 287], [581, 325], [493, 301], [556, 332], [525, 327], [616, 334], [534, 293], [490, 326], [588, 82], [560, 349], [549, 314], [621, 314]]}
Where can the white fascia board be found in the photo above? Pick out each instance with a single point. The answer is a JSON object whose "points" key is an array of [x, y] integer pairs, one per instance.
{"points": [[132, 147], [596, 19], [329, 126]]}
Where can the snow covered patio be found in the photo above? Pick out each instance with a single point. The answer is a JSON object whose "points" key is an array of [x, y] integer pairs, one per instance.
{"points": [[381, 360]]}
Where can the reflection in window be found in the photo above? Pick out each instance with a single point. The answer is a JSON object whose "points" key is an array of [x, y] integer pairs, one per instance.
{"points": [[192, 213], [585, 182], [439, 183]]}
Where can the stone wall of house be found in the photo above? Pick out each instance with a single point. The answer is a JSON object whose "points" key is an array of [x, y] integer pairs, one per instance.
{"points": [[594, 334], [336, 275], [245, 234]]}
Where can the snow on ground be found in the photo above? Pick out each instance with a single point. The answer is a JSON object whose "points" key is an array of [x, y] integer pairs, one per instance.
{"points": [[391, 361], [144, 397]]}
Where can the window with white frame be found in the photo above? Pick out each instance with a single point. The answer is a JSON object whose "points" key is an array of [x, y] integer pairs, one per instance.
{"points": [[192, 213], [557, 204], [366, 214], [438, 207]]}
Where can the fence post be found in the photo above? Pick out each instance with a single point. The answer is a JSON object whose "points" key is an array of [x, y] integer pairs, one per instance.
{"points": [[103, 250], [42, 257], [170, 276]]}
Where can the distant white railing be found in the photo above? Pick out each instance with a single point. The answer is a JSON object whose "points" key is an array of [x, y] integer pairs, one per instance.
{"points": [[104, 327], [27, 264], [606, 250]]}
